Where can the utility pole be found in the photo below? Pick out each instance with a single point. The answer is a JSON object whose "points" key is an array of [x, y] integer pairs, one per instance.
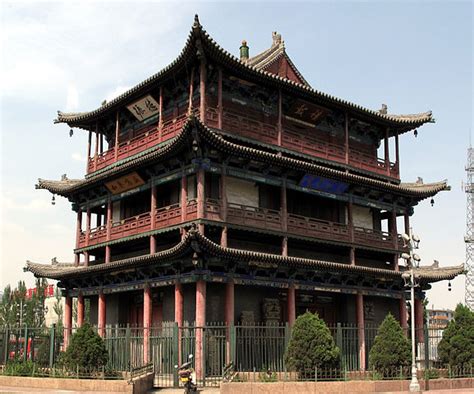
{"points": [[469, 237]]}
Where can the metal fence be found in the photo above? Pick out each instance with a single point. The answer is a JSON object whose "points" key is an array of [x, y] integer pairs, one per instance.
{"points": [[251, 348]]}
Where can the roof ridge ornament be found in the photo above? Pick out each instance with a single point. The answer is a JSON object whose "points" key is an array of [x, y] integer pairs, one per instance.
{"points": [[244, 51], [196, 23], [277, 40]]}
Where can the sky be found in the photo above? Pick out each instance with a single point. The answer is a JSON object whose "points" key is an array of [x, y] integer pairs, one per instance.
{"points": [[411, 55]]}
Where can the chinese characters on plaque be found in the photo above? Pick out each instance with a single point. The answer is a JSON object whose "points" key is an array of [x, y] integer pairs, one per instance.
{"points": [[305, 111], [144, 108], [125, 183]]}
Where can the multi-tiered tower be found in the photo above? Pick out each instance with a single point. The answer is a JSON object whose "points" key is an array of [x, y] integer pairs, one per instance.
{"points": [[229, 190]]}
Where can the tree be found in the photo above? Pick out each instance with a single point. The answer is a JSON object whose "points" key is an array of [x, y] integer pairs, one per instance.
{"points": [[456, 348], [311, 346], [391, 348], [86, 349], [58, 310]]}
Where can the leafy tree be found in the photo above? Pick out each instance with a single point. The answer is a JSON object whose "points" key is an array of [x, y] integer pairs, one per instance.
{"points": [[457, 346], [86, 350], [391, 348], [311, 346]]}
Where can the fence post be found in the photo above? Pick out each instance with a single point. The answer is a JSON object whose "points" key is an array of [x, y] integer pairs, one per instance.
{"points": [[25, 344], [127, 346], [427, 349], [204, 355], [232, 342], [339, 342], [52, 340], [175, 354]]}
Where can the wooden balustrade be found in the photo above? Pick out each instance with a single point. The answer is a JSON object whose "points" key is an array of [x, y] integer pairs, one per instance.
{"points": [[253, 216], [297, 141], [149, 137], [318, 228], [243, 215]]}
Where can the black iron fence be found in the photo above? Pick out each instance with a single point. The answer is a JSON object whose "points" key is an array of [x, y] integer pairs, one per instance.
{"points": [[256, 351]]}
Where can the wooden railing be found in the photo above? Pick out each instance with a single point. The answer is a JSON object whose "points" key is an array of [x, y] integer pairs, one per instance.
{"points": [[318, 228], [297, 141], [149, 137], [243, 215]]}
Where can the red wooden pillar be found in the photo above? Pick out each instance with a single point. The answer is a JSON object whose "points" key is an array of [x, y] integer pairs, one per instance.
{"points": [[200, 197], [346, 137], [284, 217], [178, 313], [202, 91], [419, 317], [86, 258], [102, 314], [78, 230], [108, 225], [350, 220], [393, 227], [184, 201], [147, 315], [403, 315], [88, 225], [361, 330], [96, 148], [117, 131], [229, 315], [397, 154], [223, 195], [200, 324], [160, 115], [88, 157], [280, 115], [291, 304], [220, 109], [80, 310], [67, 321], [153, 218], [387, 153]]}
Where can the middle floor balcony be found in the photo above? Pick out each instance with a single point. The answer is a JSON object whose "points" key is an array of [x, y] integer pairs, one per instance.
{"points": [[244, 216]]}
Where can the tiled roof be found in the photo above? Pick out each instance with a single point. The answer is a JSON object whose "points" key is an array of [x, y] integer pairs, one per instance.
{"points": [[267, 58], [416, 190], [198, 34], [195, 241]]}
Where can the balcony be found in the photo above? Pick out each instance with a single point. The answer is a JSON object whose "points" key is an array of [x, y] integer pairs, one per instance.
{"points": [[242, 215], [149, 137], [296, 141]]}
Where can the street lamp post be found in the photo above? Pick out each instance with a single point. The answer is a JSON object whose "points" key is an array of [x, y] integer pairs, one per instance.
{"points": [[413, 260]]}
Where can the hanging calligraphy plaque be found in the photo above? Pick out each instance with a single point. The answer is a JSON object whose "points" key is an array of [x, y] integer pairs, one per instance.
{"points": [[144, 108]]}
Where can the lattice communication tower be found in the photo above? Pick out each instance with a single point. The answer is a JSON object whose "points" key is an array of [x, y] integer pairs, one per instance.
{"points": [[469, 238]]}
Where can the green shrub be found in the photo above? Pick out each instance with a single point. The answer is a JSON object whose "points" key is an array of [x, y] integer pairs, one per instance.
{"points": [[456, 348], [311, 346], [20, 368], [86, 350], [267, 376], [391, 349]]}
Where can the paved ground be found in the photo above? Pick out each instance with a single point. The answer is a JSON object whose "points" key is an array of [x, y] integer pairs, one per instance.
{"points": [[213, 390]]}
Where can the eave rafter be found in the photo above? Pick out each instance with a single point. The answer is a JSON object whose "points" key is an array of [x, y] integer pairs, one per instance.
{"points": [[199, 44]]}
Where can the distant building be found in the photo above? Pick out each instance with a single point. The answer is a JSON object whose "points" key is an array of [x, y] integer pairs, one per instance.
{"points": [[439, 318]]}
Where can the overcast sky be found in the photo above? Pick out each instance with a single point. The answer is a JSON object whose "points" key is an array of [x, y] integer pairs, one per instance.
{"points": [[412, 56]]}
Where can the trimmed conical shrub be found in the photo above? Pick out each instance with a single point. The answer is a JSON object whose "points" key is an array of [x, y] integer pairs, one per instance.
{"points": [[457, 346], [391, 349], [86, 350], [311, 346]]}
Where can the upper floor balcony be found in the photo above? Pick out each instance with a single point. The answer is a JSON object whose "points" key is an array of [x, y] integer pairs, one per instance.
{"points": [[147, 137], [240, 215], [287, 136], [305, 143]]}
